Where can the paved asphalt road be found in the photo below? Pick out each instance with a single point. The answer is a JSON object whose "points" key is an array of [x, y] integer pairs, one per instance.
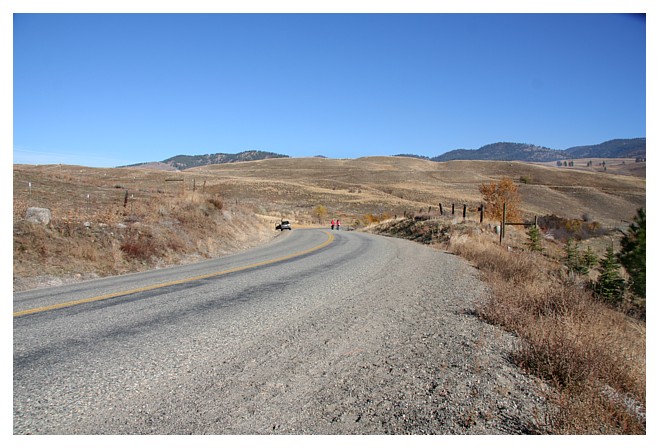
{"points": [[280, 339]]}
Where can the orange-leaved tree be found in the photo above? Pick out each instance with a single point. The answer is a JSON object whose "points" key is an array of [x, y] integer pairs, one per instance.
{"points": [[496, 194]]}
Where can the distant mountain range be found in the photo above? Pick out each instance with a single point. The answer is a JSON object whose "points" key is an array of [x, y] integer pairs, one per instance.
{"points": [[522, 152], [620, 148], [183, 162]]}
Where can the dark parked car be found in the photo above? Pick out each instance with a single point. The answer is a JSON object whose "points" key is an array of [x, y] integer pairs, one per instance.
{"points": [[284, 225]]}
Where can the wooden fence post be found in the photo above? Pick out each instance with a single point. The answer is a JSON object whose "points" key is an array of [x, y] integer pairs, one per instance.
{"points": [[452, 209], [441, 211], [481, 209], [503, 224], [464, 211]]}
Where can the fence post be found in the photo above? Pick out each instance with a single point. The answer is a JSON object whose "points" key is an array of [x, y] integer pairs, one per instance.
{"points": [[464, 211], [503, 224], [482, 208], [452, 209], [441, 211]]}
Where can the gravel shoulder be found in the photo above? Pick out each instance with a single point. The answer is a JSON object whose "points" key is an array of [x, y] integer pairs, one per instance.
{"points": [[372, 335]]}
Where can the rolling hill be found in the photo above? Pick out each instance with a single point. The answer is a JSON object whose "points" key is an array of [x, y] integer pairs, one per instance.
{"points": [[183, 162], [351, 188], [523, 152], [502, 151]]}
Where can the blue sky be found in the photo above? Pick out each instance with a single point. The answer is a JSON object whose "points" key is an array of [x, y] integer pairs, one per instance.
{"points": [[115, 89]]}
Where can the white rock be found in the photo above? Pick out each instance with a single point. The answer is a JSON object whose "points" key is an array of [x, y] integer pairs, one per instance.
{"points": [[38, 215]]}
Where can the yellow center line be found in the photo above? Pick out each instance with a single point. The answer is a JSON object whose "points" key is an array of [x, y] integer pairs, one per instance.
{"points": [[56, 306]]}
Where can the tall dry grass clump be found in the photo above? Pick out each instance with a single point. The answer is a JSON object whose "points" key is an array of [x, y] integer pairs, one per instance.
{"points": [[592, 355]]}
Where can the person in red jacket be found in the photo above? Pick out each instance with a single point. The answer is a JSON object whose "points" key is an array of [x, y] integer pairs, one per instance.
{"points": [[338, 224], [332, 224]]}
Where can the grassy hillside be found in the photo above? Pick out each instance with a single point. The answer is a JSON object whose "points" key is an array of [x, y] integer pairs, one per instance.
{"points": [[350, 188], [109, 221]]}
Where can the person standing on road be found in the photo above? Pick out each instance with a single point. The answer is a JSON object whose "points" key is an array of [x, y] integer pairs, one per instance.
{"points": [[332, 224], [338, 224]]}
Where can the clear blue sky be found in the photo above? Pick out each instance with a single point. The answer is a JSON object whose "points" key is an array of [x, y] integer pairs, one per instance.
{"points": [[116, 89]]}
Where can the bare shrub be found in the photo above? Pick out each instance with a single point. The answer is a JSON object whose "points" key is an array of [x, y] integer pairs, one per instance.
{"points": [[370, 218], [564, 229], [140, 246], [216, 202]]}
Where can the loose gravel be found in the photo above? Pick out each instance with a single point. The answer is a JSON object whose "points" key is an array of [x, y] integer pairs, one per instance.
{"points": [[372, 336]]}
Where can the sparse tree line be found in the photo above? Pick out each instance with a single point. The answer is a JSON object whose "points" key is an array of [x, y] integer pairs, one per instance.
{"points": [[564, 163]]}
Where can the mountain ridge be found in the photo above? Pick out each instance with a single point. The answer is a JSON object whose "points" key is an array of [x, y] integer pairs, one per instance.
{"points": [[524, 152], [183, 162], [501, 151]]}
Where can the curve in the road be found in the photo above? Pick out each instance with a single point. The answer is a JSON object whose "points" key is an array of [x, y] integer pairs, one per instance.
{"points": [[71, 303]]}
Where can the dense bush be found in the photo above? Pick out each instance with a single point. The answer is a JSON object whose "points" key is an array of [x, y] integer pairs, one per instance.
{"points": [[139, 245], [564, 229]]}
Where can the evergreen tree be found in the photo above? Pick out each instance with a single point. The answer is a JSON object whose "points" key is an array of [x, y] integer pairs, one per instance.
{"points": [[610, 286], [632, 253], [588, 258], [534, 244], [573, 259]]}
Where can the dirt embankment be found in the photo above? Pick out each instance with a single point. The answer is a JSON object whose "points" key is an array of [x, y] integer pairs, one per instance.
{"points": [[156, 236]]}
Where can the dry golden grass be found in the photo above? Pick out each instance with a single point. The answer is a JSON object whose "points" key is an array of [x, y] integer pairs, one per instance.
{"points": [[593, 356], [97, 229], [353, 188], [356, 191]]}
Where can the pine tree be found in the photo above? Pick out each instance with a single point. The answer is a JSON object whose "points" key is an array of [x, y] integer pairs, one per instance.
{"points": [[632, 253], [534, 244], [610, 286], [573, 259], [588, 258], [578, 262]]}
